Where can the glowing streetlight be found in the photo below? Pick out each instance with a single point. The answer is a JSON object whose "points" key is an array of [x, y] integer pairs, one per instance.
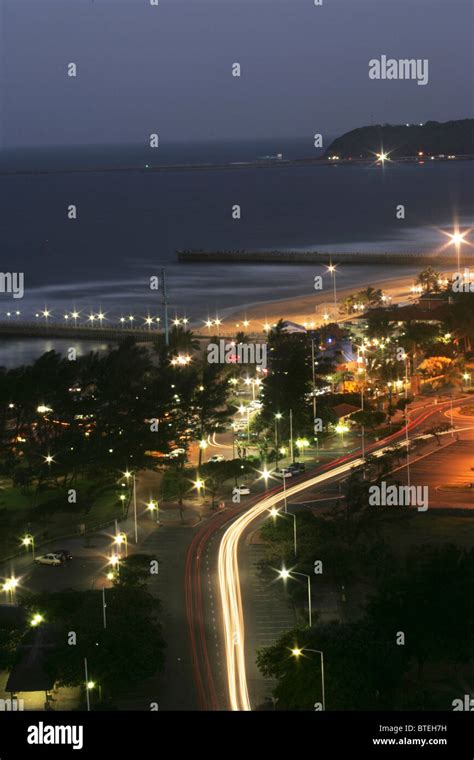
{"points": [[297, 653], [265, 475], [332, 270], [48, 459], [152, 506], [27, 541], [36, 620], [285, 574], [121, 538], [9, 587]]}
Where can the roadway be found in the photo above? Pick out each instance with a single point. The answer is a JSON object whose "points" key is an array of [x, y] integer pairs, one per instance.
{"points": [[227, 531]]}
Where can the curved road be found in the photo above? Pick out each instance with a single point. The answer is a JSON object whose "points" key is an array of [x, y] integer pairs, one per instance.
{"points": [[228, 573]]}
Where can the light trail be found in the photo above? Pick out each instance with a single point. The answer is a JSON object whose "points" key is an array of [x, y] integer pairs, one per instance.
{"points": [[229, 584], [228, 567]]}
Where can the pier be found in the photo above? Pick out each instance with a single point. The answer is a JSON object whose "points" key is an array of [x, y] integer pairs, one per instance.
{"points": [[81, 332], [319, 257]]}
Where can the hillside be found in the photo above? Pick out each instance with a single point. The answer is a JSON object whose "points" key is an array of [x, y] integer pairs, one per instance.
{"points": [[432, 138]]}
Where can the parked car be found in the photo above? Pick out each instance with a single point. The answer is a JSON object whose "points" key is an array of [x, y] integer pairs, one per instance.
{"points": [[65, 554], [49, 559], [242, 490], [283, 472], [216, 458], [176, 453], [297, 467]]}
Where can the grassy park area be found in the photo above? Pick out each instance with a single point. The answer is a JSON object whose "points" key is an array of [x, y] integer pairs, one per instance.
{"points": [[49, 513]]}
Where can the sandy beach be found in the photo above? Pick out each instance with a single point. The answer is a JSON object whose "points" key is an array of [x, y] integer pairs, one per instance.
{"points": [[310, 309]]}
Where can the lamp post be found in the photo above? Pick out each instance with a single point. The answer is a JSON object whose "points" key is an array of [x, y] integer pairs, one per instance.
{"points": [[291, 436], [152, 506], [275, 513], [9, 587], [27, 541], [129, 475], [332, 269], [285, 574], [200, 484], [121, 538], [265, 474], [114, 560], [296, 652], [278, 417], [89, 685]]}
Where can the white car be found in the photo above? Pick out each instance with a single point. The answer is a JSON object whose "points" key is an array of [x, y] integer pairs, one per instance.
{"points": [[176, 453], [49, 559], [242, 490], [217, 458], [282, 472]]}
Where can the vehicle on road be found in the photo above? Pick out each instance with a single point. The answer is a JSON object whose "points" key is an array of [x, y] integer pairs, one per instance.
{"points": [[65, 554], [49, 559], [242, 490], [297, 467], [283, 472], [216, 458], [176, 453]]}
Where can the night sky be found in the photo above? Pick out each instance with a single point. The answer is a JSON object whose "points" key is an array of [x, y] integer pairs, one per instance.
{"points": [[167, 69]]}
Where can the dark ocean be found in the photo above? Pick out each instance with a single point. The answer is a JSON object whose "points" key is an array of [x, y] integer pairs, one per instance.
{"points": [[129, 224]]}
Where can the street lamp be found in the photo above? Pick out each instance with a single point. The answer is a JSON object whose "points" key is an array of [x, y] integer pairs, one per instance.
{"points": [[114, 560], [129, 475], [265, 474], [9, 587], [36, 620], [199, 484], [121, 538], [297, 652], [152, 506], [332, 269], [27, 541], [276, 513], [285, 574], [278, 417]]}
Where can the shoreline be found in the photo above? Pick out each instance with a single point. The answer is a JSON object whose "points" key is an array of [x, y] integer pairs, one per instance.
{"points": [[306, 308]]}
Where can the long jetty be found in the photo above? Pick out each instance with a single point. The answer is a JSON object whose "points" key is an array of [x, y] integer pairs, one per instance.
{"points": [[260, 163], [82, 332], [19, 329], [318, 257]]}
